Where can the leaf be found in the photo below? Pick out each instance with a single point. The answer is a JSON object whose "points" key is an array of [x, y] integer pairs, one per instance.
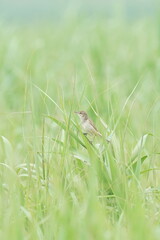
{"points": [[57, 141], [124, 106], [135, 163], [9, 168], [8, 150], [139, 146], [81, 158], [150, 169], [26, 213], [47, 96], [63, 126]]}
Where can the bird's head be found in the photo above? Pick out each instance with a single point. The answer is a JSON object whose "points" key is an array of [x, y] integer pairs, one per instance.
{"points": [[82, 115]]}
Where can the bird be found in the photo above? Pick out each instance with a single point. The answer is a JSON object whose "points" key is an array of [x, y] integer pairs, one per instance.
{"points": [[88, 126]]}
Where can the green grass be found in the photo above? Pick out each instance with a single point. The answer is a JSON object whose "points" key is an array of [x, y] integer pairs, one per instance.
{"points": [[53, 183]]}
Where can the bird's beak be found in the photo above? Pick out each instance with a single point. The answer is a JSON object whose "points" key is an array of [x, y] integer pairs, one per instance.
{"points": [[76, 112]]}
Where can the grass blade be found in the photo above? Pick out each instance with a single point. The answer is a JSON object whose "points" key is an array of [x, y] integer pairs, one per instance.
{"points": [[64, 127]]}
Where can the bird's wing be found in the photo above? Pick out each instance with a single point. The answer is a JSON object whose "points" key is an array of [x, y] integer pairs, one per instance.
{"points": [[92, 124], [90, 121], [94, 127]]}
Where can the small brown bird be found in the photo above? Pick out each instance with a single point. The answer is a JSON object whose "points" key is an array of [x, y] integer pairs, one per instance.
{"points": [[87, 124]]}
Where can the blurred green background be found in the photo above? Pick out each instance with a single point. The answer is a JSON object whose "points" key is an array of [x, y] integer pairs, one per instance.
{"points": [[57, 57], [29, 10]]}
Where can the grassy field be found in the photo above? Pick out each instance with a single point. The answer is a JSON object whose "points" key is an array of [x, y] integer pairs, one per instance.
{"points": [[53, 183]]}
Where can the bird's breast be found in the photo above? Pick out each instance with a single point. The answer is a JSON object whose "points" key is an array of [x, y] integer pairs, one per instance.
{"points": [[87, 127]]}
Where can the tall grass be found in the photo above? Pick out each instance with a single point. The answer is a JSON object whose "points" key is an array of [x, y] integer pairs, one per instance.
{"points": [[54, 184]]}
